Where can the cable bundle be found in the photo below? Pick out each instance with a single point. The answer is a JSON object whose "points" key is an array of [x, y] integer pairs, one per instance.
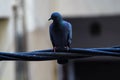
{"points": [[73, 53]]}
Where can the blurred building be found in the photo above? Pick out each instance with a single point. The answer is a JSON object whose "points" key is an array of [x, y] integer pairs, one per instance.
{"points": [[6, 39], [95, 24]]}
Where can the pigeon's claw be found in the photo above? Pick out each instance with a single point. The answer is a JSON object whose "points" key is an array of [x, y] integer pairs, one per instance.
{"points": [[54, 49], [66, 47]]}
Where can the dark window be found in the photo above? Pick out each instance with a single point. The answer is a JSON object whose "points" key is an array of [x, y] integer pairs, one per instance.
{"points": [[95, 29]]}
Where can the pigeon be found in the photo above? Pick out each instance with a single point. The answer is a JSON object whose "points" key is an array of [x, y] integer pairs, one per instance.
{"points": [[60, 34]]}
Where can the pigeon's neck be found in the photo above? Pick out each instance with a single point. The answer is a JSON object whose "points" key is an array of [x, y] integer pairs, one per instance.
{"points": [[57, 22]]}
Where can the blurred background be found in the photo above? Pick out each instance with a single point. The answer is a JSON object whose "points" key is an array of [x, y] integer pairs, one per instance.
{"points": [[24, 26]]}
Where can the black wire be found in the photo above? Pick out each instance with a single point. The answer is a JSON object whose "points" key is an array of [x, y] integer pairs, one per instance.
{"points": [[73, 53]]}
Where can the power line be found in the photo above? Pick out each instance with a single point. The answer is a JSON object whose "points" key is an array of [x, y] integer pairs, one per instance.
{"points": [[73, 53]]}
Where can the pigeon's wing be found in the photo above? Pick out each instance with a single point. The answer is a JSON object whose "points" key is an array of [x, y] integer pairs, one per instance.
{"points": [[69, 37], [51, 35]]}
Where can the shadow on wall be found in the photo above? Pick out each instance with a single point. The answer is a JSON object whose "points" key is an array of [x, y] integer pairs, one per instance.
{"points": [[4, 35]]}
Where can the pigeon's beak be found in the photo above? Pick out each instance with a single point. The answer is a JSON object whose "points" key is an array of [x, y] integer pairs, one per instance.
{"points": [[49, 19]]}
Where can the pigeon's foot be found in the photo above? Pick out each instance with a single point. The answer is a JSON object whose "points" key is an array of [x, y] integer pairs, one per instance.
{"points": [[54, 49], [66, 47]]}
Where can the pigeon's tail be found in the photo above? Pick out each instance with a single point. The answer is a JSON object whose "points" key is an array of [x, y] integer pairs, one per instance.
{"points": [[62, 61]]}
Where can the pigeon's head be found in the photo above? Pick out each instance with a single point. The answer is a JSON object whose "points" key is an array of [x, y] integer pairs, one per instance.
{"points": [[56, 17]]}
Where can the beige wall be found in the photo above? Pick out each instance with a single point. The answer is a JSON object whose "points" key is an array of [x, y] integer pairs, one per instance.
{"points": [[7, 68], [4, 35], [5, 8]]}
